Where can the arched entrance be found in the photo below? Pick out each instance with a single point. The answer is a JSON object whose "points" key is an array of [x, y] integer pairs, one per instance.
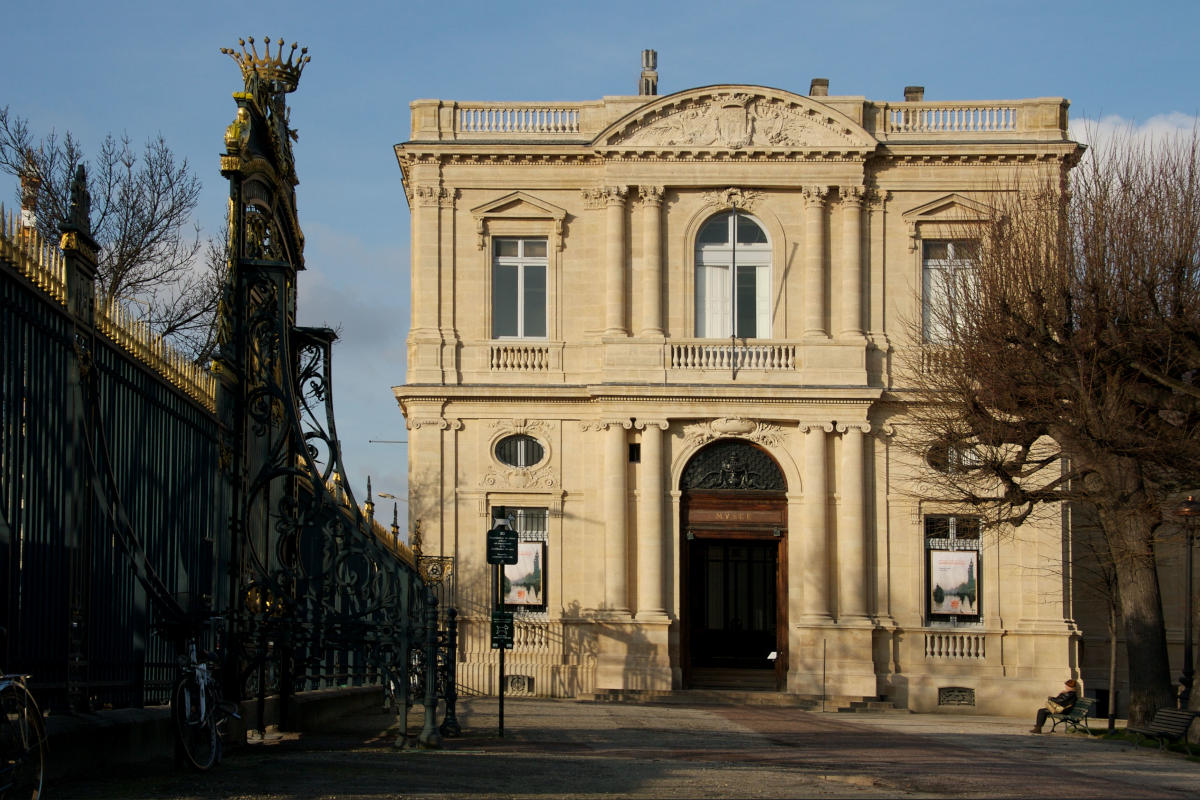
{"points": [[734, 568]]}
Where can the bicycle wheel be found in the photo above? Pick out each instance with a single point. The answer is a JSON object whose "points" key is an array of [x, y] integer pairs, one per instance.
{"points": [[23, 743], [195, 732]]}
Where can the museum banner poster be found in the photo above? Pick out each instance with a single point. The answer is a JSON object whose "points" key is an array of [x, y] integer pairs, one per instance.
{"points": [[525, 582], [953, 588]]}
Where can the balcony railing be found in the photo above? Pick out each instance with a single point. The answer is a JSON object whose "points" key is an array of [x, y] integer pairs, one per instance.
{"points": [[519, 357], [951, 118], [956, 646], [525, 118], [710, 355]]}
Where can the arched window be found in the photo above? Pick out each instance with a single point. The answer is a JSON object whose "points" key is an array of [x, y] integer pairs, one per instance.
{"points": [[733, 278]]}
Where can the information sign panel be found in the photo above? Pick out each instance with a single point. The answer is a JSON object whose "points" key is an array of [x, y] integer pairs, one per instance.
{"points": [[502, 630], [501, 546]]}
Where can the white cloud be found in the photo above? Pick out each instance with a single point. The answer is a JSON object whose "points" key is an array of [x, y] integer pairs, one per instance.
{"points": [[1160, 129]]}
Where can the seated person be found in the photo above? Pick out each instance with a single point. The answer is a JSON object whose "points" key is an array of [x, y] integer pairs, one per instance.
{"points": [[1056, 705]]}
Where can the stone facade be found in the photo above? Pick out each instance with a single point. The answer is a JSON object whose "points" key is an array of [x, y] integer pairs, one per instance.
{"points": [[611, 214]]}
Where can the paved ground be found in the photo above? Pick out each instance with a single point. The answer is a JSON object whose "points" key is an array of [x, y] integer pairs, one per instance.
{"points": [[555, 749]]}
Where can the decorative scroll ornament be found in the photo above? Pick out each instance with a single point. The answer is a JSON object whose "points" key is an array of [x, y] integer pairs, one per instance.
{"points": [[520, 478], [732, 464], [739, 120], [763, 433], [732, 197], [528, 426]]}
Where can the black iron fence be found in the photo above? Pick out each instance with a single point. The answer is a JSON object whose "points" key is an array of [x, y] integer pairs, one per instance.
{"points": [[77, 618]]}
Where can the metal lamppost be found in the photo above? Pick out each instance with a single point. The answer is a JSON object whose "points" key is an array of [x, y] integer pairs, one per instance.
{"points": [[1189, 512]]}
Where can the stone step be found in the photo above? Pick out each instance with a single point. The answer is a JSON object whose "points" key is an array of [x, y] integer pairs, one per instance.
{"points": [[872, 707], [729, 697]]}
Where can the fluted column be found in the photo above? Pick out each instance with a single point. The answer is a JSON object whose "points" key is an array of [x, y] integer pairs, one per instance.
{"points": [[815, 569], [616, 526], [851, 525], [652, 197], [650, 535], [614, 295], [814, 260], [852, 291]]}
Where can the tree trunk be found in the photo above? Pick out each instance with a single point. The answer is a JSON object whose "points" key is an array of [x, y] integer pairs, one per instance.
{"points": [[1130, 533], [1112, 664]]}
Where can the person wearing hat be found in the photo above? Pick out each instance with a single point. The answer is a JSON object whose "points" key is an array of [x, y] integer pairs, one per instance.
{"points": [[1056, 705]]}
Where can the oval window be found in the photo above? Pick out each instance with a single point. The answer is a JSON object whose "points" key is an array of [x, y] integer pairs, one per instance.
{"points": [[519, 450]]}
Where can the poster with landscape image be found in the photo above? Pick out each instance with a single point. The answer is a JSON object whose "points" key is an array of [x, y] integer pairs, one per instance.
{"points": [[524, 582], [953, 589]]}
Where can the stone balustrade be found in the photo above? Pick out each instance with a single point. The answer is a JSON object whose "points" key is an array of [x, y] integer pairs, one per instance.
{"points": [[955, 646], [706, 354]]}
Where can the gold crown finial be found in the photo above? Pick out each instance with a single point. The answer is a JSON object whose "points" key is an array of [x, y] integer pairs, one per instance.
{"points": [[268, 67]]}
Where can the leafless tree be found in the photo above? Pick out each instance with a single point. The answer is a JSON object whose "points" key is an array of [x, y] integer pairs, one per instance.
{"points": [[1067, 365], [152, 259]]}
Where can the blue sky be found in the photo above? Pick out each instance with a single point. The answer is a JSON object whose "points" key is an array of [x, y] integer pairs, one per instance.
{"points": [[143, 68]]}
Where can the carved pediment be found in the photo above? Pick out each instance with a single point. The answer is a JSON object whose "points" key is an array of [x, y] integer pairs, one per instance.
{"points": [[519, 205], [948, 216], [949, 208], [736, 118]]}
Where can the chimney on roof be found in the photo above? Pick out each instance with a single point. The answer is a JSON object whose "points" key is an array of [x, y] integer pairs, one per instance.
{"points": [[648, 85], [819, 87], [914, 94]]}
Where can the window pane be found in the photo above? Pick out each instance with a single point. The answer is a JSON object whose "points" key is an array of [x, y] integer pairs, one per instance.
{"points": [[937, 527], [507, 247], [966, 527], [519, 450], [716, 231], [937, 250], [748, 231], [535, 301], [747, 302], [504, 301], [535, 248], [712, 301]]}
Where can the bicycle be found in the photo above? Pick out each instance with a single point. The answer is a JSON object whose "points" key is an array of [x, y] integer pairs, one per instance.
{"points": [[22, 741], [198, 710]]}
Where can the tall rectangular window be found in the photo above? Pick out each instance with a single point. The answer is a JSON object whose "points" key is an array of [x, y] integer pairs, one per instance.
{"points": [[519, 288], [948, 267], [952, 547]]}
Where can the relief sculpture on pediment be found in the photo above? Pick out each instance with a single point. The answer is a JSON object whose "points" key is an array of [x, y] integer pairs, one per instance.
{"points": [[737, 121]]}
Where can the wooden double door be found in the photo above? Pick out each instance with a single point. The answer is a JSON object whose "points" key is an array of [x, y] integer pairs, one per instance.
{"points": [[735, 589]]}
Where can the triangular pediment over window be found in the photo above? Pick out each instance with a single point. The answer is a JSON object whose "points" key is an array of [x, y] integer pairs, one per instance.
{"points": [[743, 118], [947, 217], [519, 206]]}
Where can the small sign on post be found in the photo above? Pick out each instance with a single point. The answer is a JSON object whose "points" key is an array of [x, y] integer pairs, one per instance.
{"points": [[501, 539], [502, 630], [502, 546]]}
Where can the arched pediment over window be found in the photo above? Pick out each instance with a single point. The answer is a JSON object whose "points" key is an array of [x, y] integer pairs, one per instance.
{"points": [[737, 118]]}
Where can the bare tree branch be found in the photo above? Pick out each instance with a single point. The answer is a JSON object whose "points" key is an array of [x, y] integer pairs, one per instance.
{"points": [[142, 207]]}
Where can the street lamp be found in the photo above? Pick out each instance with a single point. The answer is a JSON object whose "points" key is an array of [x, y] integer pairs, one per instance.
{"points": [[1189, 512]]}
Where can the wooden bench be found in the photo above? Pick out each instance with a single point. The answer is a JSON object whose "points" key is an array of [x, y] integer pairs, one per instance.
{"points": [[1168, 725], [1076, 716]]}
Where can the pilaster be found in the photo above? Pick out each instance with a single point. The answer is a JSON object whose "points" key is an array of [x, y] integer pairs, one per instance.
{"points": [[853, 575], [616, 508], [652, 198], [814, 261], [651, 575], [614, 295], [852, 267]]}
